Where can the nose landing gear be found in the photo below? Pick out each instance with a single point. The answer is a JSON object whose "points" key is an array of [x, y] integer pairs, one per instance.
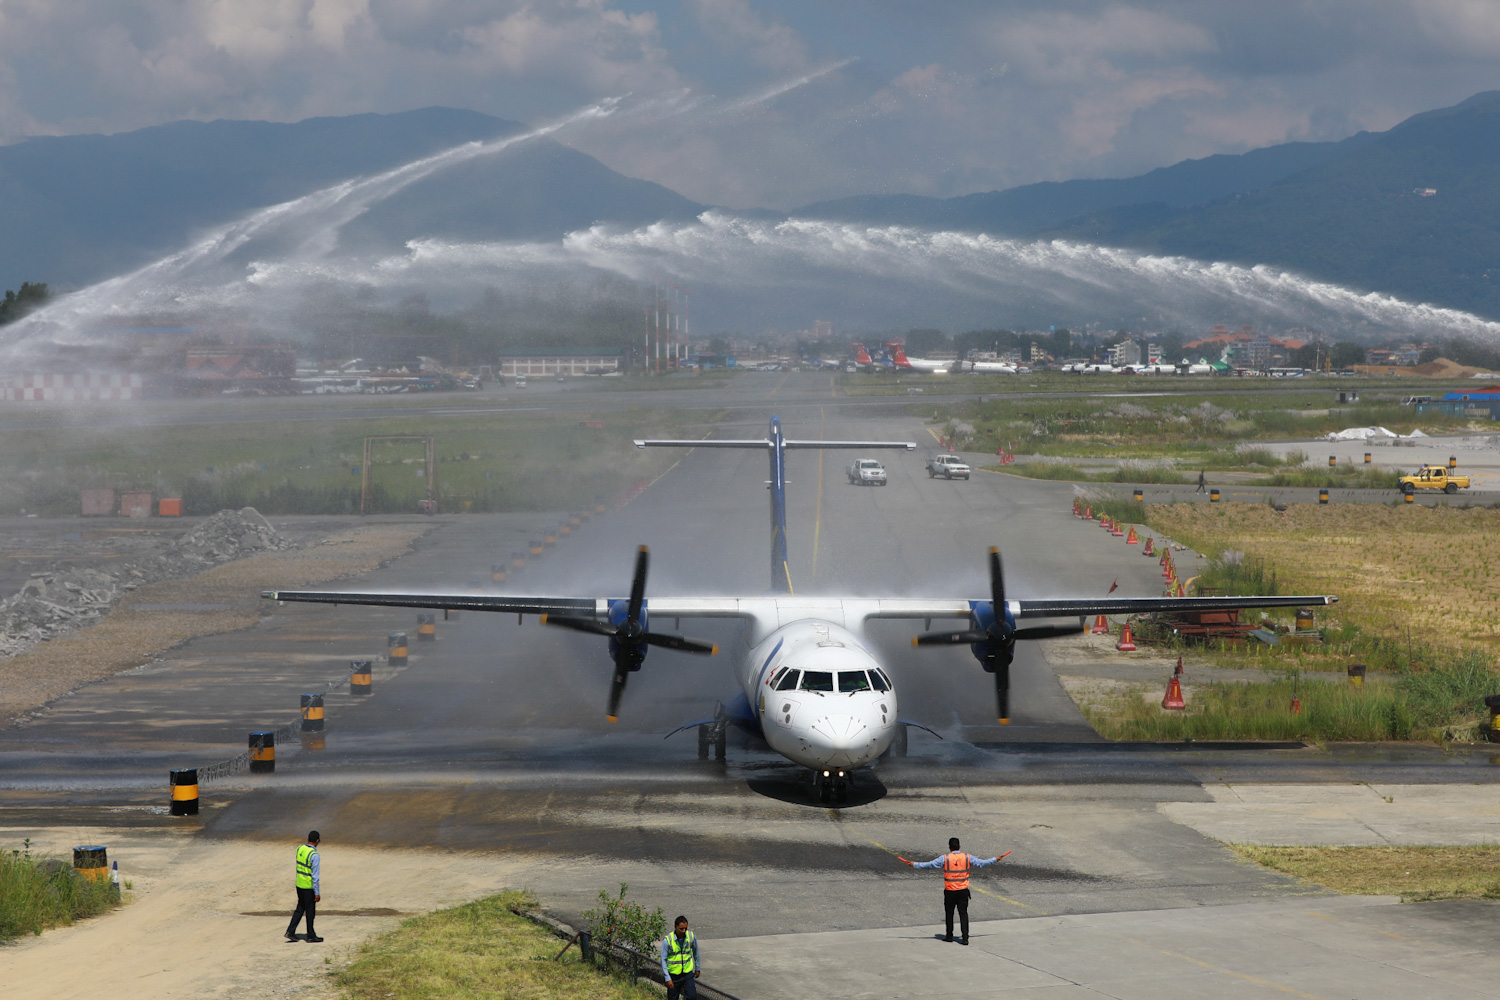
{"points": [[714, 734], [831, 785]]}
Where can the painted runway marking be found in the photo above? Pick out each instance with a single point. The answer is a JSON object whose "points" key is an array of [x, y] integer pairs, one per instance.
{"points": [[779, 385]]}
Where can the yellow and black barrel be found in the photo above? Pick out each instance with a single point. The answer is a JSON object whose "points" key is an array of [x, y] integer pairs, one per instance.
{"points": [[517, 560], [599, 505], [396, 649], [1356, 672], [361, 679], [1493, 704], [1139, 495], [498, 571], [536, 546], [427, 627], [184, 783], [1213, 495], [1332, 461], [312, 713], [576, 519], [1304, 619], [263, 751], [91, 862], [1322, 496], [1452, 461], [550, 538], [1367, 458], [1409, 497]]}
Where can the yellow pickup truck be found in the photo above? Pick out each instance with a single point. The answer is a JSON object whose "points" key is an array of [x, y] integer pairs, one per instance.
{"points": [[1433, 478]]}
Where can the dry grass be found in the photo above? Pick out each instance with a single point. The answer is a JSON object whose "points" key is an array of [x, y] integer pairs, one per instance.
{"points": [[1413, 873], [127, 637], [1428, 570], [477, 950]]}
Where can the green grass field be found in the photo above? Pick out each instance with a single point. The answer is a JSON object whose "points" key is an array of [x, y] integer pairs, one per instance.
{"points": [[1416, 874], [478, 951], [485, 462]]}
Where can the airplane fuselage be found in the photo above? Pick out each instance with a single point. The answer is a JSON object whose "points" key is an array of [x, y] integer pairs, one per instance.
{"points": [[819, 695]]}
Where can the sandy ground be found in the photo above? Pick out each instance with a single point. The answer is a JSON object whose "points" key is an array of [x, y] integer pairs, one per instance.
{"points": [[205, 917], [157, 617]]}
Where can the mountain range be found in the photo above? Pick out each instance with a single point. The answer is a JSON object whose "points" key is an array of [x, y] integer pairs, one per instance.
{"points": [[1413, 211]]}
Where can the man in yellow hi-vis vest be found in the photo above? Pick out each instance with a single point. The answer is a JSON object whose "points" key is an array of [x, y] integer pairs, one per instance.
{"points": [[309, 889], [679, 961], [955, 865]]}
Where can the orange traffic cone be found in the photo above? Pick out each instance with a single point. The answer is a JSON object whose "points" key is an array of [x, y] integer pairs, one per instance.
{"points": [[1179, 590], [1296, 706], [1132, 539], [1104, 522], [1127, 642], [1101, 626], [1178, 671], [1149, 550], [1088, 512], [1173, 698]]}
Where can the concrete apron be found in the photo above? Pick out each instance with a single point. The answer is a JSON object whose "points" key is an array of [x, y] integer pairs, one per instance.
{"points": [[1367, 947]]}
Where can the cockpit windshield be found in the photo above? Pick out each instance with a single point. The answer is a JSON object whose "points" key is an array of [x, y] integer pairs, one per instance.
{"points": [[853, 680], [816, 680], [878, 679], [788, 680]]}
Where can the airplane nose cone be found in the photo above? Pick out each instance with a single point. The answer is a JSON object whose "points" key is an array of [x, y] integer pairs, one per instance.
{"points": [[839, 737]]}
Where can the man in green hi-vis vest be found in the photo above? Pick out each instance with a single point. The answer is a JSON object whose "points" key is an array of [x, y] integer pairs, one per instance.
{"points": [[309, 890]]}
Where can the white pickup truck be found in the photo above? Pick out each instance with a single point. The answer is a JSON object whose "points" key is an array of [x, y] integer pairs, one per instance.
{"points": [[866, 472], [947, 466]]}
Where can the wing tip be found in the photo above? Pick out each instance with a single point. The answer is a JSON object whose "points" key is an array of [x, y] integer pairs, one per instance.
{"points": [[613, 718], [1003, 722], [916, 641], [542, 618], [715, 650], [269, 595]]}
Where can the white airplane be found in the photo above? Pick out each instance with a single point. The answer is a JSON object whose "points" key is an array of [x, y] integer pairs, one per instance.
{"points": [[929, 365], [988, 367], [810, 686]]}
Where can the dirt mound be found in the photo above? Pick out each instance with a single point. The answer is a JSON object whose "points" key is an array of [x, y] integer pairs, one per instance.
{"points": [[59, 600]]}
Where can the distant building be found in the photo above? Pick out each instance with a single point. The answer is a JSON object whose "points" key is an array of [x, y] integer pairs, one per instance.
{"points": [[1126, 352], [558, 364], [822, 328]]}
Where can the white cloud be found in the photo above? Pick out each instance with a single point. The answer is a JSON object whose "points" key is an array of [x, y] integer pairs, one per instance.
{"points": [[737, 26]]}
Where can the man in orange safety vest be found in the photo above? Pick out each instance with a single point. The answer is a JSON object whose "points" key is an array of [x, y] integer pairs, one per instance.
{"points": [[955, 865]]}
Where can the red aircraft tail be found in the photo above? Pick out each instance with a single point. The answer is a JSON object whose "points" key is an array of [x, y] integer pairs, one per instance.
{"points": [[861, 356], [898, 355]]}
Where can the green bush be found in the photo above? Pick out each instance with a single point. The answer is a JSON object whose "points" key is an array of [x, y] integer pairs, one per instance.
{"points": [[37, 893]]}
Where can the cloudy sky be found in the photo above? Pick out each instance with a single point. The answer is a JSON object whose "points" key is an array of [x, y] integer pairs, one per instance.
{"points": [[936, 97]]}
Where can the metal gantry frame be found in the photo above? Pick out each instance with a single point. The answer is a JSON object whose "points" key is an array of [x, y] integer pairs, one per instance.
{"points": [[431, 473]]}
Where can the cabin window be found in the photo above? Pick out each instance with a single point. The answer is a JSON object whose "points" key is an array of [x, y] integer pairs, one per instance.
{"points": [[817, 680], [878, 681], [788, 680], [853, 680]]}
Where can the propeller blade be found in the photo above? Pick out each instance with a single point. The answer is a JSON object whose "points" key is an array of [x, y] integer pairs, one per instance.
{"points": [[997, 584], [590, 625], [679, 642], [1002, 693], [949, 638], [616, 689], [638, 586], [1048, 631]]}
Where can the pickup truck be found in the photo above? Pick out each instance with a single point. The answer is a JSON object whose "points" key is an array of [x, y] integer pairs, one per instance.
{"points": [[947, 466], [1433, 478], [866, 472]]}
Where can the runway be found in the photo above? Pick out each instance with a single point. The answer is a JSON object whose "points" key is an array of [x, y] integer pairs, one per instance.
{"points": [[492, 741]]}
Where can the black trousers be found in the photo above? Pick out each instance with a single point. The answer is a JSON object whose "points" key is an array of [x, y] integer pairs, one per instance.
{"points": [[308, 905], [956, 899], [686, 987]]}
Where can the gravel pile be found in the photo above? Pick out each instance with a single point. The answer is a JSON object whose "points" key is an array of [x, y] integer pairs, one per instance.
{"points": [[56, 601]]}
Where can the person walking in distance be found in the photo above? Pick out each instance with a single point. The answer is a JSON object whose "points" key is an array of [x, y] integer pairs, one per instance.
{"points": [[679, 961], [309, 891], [1202, 481], [955, 865]]}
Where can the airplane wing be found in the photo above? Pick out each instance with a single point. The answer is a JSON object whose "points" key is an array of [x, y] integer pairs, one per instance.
{"points": [[913, 608], [521, 604]]}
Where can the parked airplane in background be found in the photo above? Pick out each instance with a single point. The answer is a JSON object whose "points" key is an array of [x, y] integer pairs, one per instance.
{"points": [[810, 686], [988, 367], [862, 359], [1201, 368], [929, 365]]}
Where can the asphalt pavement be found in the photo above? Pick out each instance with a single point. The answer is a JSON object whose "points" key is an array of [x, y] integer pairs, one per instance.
{"points": [[493, 740]]}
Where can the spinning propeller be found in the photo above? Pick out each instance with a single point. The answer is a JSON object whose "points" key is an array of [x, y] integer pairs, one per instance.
{"points": [[628, 635], [995, 644]]}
